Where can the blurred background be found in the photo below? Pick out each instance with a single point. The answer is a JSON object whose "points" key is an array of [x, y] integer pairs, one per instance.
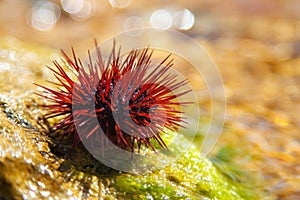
{"points": [[256, 45], [69, 21]]}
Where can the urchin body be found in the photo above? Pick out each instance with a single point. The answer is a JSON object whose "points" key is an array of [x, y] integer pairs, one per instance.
{"points": [[131, 101]]}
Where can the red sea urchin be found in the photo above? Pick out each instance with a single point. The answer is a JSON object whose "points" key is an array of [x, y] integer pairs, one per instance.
{"points": [[132, 100]]}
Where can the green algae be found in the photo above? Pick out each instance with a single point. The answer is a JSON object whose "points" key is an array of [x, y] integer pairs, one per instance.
{"points": [[32, 167]]}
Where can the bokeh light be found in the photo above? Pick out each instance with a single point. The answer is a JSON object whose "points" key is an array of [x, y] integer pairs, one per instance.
{"points": [[78, 9], [161, 19], [72, 6], [44, 15], [184, 19], [85, 12], [120, 3]]}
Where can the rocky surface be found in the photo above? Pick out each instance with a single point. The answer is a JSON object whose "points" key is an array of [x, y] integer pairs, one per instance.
{"points": [[33, 167]]}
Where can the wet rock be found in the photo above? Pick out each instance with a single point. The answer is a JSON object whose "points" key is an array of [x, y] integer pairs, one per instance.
{"points": [[32, 166]]}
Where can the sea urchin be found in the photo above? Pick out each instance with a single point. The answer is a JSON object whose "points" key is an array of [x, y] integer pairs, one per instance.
{"points": [[131, 99]]}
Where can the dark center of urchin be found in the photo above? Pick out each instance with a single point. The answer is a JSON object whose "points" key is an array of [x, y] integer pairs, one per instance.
{"points": [[140, 114], [119, 111]]}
